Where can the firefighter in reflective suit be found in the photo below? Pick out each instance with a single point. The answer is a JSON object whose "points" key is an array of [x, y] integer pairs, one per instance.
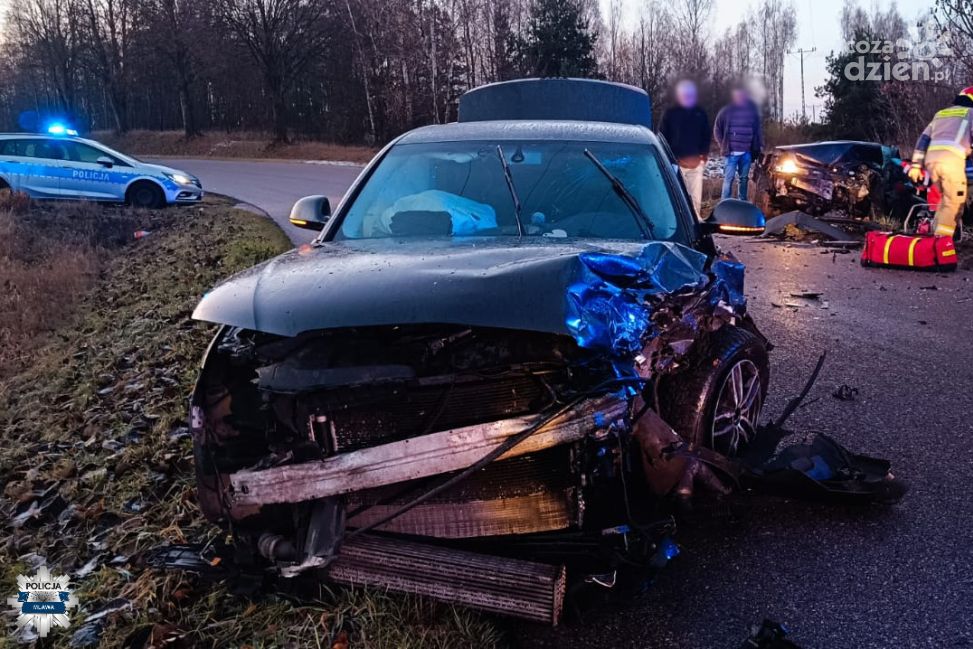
{"points": [[942, 149]]}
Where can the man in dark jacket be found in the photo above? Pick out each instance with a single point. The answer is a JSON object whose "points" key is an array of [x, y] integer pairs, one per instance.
{"points": [[685, 127], [738, 132]]}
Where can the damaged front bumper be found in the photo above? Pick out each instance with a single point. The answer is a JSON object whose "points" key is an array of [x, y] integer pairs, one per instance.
{"points": [[486, 466]]}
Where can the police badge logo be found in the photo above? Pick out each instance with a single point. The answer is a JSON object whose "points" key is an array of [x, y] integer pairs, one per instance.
{"points": [[42, 601]]}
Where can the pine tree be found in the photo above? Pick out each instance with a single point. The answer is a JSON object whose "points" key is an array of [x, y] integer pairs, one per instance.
{"points": [[559, 41]]}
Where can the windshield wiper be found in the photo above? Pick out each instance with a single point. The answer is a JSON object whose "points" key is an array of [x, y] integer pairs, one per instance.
{"points": [[513, 190], [641, 219]]}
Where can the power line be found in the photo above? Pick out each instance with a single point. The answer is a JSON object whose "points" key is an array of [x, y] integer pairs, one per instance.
{"points": [[802, 52]]}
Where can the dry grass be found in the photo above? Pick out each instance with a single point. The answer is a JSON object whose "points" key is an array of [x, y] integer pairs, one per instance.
{"points": [[95, 465], [50, 255], [231, 145]]}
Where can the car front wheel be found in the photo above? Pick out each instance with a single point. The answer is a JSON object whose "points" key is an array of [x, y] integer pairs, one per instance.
{"points": [[146, 195], [716, 401]]}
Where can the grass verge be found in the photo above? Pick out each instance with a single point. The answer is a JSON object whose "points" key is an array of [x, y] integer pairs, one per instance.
{"points": [[95, 462], [231, 145]]}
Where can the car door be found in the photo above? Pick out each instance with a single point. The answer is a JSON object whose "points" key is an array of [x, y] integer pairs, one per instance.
{"points": [[13, 163], [41, 173], [89, 175]]}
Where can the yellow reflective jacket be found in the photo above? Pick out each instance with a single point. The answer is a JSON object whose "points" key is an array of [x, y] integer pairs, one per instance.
{"points": [[948, 136]]}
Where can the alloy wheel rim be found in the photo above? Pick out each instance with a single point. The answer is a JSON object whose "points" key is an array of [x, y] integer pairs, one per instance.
{"points": [[738, 406]]}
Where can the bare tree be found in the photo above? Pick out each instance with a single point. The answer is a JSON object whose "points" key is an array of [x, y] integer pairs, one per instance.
{"points": [[109, 26], [955, 18], [614, 36], [178, 29], [284, 37], [48, 34], [693, 17], [777, 34]]}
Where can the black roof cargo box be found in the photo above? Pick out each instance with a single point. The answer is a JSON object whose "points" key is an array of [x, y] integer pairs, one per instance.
{"points": [[557, 99]]}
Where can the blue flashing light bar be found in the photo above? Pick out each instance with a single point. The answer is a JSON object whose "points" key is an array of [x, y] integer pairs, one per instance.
{"points": [[60, 129]]}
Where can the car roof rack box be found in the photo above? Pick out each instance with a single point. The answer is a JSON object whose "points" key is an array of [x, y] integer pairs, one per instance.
{"points": [[586, 100]]}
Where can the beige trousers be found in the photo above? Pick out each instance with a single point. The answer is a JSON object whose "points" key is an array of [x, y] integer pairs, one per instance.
{"points": [[950, 177], [694, 184]]}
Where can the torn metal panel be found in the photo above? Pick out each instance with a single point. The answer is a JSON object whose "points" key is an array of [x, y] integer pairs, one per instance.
{"points": [[416, 457], [608, 306]]}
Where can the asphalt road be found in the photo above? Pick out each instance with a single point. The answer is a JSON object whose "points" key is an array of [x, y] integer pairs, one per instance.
{"points": [[899, 576], [272, 186]]}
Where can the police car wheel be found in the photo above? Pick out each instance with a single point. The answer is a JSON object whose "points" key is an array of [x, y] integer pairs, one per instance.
{"points": [[146, 195]]}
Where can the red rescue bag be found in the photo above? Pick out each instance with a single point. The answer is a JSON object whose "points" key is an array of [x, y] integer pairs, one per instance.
{"points": [[905, 251]]}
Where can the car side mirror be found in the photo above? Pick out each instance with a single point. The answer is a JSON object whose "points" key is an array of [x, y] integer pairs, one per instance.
{"points": [[105, 161], [733, 216], [311, 212]]}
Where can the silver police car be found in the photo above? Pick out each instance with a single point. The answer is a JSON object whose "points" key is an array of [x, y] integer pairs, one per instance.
{"points": [[60, 165]]}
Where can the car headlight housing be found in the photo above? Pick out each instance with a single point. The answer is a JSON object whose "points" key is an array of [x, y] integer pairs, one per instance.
{"points": [[181, 179], [788, 166]]}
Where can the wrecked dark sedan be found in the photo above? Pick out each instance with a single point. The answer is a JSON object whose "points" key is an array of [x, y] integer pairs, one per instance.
{"points": [[860, 179], [511, 349]]}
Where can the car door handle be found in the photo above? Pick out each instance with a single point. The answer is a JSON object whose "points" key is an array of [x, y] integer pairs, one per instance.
{"points": [[11, 162]]}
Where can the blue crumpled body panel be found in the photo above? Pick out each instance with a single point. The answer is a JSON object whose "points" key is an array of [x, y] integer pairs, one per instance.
{"points": [[609, 306]]}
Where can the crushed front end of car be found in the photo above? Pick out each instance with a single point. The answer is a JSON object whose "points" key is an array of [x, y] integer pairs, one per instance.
{"points": [[468, 458], [858, 179]]}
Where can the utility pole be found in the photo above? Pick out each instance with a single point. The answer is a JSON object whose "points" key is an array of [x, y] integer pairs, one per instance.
{"points": [[802, 52]]}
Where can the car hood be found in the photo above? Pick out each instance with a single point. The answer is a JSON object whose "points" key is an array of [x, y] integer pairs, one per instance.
{"points": [[502, 283], [163, 169]]}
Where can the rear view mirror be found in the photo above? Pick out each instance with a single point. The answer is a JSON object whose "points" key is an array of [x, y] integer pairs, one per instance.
{"points": [[105, 161], [311, 212], [733, 216]]}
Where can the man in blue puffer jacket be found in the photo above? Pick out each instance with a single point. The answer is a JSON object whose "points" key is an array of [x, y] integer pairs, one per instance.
{"points": [[738, 132]]}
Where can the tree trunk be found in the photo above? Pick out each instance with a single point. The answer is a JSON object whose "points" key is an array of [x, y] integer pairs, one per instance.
{"points": [[119, 114], [280, 117], [188, 112]]}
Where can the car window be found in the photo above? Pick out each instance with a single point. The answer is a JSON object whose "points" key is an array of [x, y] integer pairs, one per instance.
{"points": [[78, 152], [51, 150], [459, 189], [15, 147]]}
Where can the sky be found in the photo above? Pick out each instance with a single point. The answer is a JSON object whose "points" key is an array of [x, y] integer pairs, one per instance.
{"points": [[817, 25]]}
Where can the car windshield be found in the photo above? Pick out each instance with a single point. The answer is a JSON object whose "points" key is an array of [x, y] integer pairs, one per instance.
{"points": [[459, 189]]}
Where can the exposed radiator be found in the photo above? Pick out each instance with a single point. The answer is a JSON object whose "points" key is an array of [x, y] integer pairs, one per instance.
{"points": [[524, 589], [523, 495]]}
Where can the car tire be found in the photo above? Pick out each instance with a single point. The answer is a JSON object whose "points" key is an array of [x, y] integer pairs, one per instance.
{"points": [[145, 195], [714, 402]]}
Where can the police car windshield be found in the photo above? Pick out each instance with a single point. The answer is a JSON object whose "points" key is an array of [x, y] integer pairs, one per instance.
{"points": [[458, 189]]}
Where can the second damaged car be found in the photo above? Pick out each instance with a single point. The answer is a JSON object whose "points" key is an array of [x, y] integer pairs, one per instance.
{"points": [[510, 350], [859, 179]]}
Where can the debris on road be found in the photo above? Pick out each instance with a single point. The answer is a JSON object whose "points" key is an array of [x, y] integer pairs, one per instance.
{"points": [[845, 393], [768, 635], [777, 226]]}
